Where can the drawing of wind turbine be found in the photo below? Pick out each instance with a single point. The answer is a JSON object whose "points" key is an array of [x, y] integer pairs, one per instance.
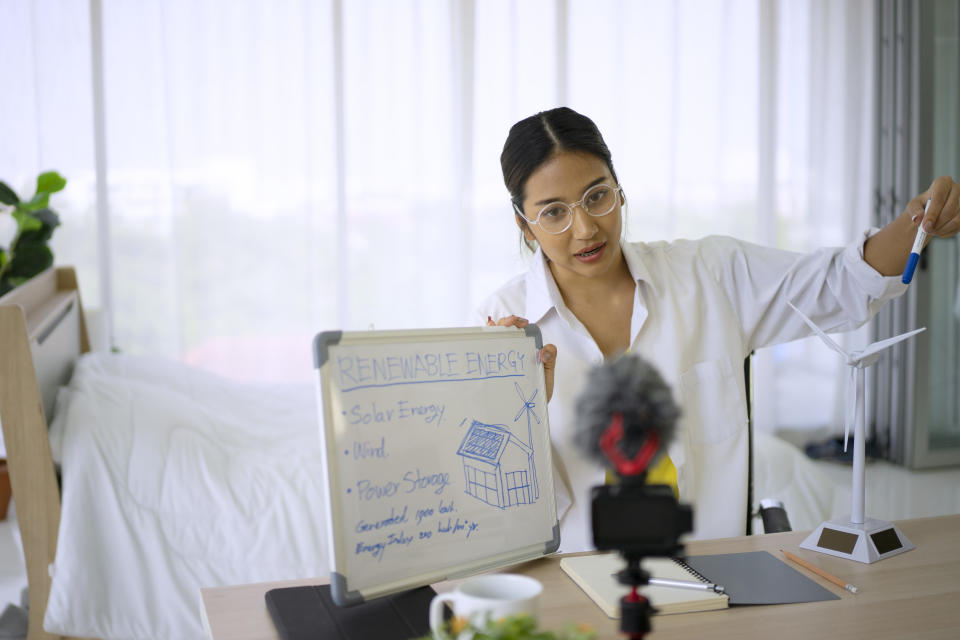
{"points": [[528, 408], [857, 538]]}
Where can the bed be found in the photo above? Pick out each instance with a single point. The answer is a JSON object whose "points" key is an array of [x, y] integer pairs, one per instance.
{"points": [[175, 479]]}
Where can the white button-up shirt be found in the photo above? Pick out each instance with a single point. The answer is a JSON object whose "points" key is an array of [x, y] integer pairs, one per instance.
{"points": [[700, 308]]}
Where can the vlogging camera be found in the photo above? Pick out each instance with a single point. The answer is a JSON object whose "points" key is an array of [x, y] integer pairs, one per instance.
{"points": [[638, 519]]}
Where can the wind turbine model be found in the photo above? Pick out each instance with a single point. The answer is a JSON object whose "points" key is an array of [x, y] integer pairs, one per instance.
{"points": [[857, 538]]}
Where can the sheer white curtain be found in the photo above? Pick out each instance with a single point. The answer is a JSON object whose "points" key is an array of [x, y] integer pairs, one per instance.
{"points": [[822, 154], [277, 168]]}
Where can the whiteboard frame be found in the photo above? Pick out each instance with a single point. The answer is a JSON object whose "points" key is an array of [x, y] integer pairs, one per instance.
{"points": [[341, 591]]}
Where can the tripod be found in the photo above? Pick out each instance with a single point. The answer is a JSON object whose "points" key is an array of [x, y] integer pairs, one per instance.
{"points": [[635, 609]]}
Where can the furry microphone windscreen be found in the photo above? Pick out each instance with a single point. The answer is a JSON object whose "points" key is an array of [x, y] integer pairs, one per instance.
{"points": [[632, 386]]}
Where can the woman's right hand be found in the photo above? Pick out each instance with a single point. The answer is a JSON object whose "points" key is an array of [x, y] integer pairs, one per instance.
{"points": [[547, 354]]}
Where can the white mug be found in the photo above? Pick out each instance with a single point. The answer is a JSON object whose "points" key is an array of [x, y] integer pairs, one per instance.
{"points": [[492, 596]]}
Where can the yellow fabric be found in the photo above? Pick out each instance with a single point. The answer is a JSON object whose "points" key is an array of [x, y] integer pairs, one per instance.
{"points": [[662, 472]]}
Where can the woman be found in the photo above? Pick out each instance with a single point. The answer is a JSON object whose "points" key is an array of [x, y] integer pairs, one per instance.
{"points": [[695, 309]]}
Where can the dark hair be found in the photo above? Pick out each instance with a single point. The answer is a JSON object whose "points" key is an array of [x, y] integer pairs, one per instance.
{"points": [[533, 140]]}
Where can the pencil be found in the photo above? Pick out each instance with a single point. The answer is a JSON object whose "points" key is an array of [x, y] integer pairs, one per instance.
{"points": [[820, 572]]}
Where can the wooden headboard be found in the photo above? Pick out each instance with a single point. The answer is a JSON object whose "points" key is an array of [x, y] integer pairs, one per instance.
{"points": [[42, 333]]}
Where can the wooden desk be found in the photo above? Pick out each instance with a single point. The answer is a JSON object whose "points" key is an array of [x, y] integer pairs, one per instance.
{"points": [[911, 595]]}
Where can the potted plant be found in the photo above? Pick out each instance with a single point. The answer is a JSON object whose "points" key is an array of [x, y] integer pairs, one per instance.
{"points": [[29, 253], [515, 627]]}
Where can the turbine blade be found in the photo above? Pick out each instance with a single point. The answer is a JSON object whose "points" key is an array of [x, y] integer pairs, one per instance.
{"points": [[829, 342], [879, 346], [866, 361], [851, 406]]}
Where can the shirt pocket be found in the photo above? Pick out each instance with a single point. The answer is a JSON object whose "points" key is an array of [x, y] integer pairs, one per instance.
{"points": [[712, 400]]}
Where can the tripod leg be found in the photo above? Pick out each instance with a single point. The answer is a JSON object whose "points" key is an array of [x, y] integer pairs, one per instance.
{"points": [[635, 613]]}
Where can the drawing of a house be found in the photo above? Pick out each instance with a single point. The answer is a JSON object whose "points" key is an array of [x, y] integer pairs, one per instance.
{"points": [[498, 467]]}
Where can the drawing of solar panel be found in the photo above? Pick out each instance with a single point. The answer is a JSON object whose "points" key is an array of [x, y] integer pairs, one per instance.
{"points": [[498, 467]]}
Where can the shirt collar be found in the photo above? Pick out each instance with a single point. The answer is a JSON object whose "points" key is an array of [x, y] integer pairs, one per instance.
{"points": [[632, 253], [543, 293]]}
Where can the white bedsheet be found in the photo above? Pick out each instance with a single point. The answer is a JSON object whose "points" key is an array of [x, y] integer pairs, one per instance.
{"points": [[176, 479], [782, 472]]}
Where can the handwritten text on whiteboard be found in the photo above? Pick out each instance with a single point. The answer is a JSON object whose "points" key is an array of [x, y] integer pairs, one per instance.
{"points": [[359, 372]]}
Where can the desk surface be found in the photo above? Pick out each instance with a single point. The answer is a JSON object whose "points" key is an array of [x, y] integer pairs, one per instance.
{"points": [[911, 595]]}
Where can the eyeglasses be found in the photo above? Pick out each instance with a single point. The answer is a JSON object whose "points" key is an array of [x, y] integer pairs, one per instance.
{"points": [[556, 217]]}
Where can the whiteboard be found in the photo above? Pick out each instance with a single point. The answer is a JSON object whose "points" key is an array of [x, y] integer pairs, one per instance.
{"points": [[436, 451]]}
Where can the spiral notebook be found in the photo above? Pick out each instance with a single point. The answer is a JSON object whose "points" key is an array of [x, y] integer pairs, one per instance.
{"points": [[595, 575], [749, 577]]}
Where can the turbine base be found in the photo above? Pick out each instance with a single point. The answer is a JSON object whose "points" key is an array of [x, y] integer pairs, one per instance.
{"points": [[868, 542]]}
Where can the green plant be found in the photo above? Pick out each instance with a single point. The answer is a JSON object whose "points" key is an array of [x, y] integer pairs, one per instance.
{"points": [[518, 627], [28, 253]]}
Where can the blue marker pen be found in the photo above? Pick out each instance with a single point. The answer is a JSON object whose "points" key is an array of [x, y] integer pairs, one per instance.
{"points": [[917, 248]]}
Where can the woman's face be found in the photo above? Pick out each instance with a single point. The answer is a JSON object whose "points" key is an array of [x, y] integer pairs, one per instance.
{"points": [[591, 246]]}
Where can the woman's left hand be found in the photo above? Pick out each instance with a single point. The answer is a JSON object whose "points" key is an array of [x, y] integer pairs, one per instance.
{"points": [[943, 216], [547, 354]]}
